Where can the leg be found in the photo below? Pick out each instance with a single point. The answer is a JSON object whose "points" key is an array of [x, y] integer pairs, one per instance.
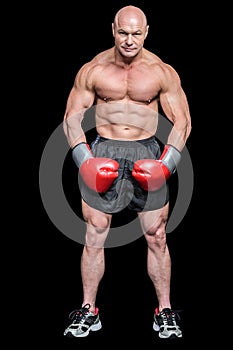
{"points": [[166, 321], [87, 318], [92, 261], [158, 260]]}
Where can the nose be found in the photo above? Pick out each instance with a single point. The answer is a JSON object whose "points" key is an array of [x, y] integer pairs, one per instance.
{"points": [[129, 40]]}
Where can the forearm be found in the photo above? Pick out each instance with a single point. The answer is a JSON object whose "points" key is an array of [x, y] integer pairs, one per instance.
{"points": [[179, 135], [73, 129]]}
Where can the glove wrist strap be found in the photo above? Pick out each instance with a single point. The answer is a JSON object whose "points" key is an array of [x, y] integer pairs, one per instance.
{"points": [[80, 153], [170, 157]]}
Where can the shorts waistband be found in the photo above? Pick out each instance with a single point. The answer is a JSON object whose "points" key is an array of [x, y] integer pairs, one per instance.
{"points": [[124, 142]]}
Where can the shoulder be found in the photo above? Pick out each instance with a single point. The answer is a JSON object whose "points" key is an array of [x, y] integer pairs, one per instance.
{"points": [[163, 69], [89, 70], [104, 57], [166, 75], [99, 61]]}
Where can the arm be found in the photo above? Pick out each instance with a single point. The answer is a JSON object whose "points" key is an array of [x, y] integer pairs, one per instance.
{"points": [[152, 174], [81, 98], [175, 106], [98, 173]]}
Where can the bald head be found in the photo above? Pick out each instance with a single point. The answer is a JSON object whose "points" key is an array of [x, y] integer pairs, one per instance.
{"points": [[131, 15], [130, 30]]}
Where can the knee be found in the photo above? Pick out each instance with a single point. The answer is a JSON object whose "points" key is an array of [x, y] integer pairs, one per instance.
{"points": [[100, 224], [156, 236]]}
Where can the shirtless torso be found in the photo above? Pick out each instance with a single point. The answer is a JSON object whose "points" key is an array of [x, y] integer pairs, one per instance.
{"points": [[123, 109], [126, 96]]}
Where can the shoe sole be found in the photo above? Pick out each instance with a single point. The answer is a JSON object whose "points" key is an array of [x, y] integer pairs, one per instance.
{"points": [[171, 336], [94, 328]]}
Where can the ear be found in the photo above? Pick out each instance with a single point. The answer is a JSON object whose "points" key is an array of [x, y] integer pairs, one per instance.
{"points": [[113, 30], [147, 30]]}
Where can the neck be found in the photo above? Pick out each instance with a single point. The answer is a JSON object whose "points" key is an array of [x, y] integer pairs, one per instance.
{"points": [[126, 61]]}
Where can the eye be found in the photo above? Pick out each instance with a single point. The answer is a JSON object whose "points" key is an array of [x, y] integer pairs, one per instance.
{"points": [[121, 32]]}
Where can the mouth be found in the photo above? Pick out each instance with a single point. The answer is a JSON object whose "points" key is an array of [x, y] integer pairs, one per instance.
{"points": [[127, 49]]}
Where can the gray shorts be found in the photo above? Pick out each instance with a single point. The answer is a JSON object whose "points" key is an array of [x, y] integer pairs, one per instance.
{"points": [[125, 191]]}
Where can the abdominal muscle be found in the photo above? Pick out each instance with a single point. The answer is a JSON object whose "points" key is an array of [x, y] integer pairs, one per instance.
{"points": [[126, 120]]}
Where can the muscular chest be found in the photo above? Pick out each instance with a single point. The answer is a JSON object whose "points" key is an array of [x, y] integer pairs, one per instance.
{"points": [[136, 83]]}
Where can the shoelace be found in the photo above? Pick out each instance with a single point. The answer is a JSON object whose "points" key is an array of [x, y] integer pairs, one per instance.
{"points": [[79, 315], [169, 317]]}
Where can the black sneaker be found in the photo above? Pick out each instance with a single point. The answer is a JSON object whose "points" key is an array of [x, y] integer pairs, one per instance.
{"points": [[83, 321], [166, 323]]}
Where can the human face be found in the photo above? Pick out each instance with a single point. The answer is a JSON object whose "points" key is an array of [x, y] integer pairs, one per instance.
{"points": [[129, 38]]}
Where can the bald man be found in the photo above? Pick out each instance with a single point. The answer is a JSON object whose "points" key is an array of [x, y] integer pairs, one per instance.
{"points": [[124, 166]]}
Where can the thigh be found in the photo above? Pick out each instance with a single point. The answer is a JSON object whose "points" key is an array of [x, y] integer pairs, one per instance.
{"points": [[153, 220], [96, 218], [97, 226]]}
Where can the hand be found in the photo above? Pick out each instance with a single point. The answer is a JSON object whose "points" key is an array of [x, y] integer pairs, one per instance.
{"points": [[152, 174], [99, 173]]}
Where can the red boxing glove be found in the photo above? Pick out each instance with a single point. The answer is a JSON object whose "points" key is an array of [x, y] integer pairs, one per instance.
{"points": [[97, 173], [152, 174]]}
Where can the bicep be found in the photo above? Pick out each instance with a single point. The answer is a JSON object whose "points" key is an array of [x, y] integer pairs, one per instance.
{"points": [[173, 99], [174, 104], [79, 100], [82, 94]]}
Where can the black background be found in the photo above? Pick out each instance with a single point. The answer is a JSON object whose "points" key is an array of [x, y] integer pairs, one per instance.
{"points": [[65, 36]]}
